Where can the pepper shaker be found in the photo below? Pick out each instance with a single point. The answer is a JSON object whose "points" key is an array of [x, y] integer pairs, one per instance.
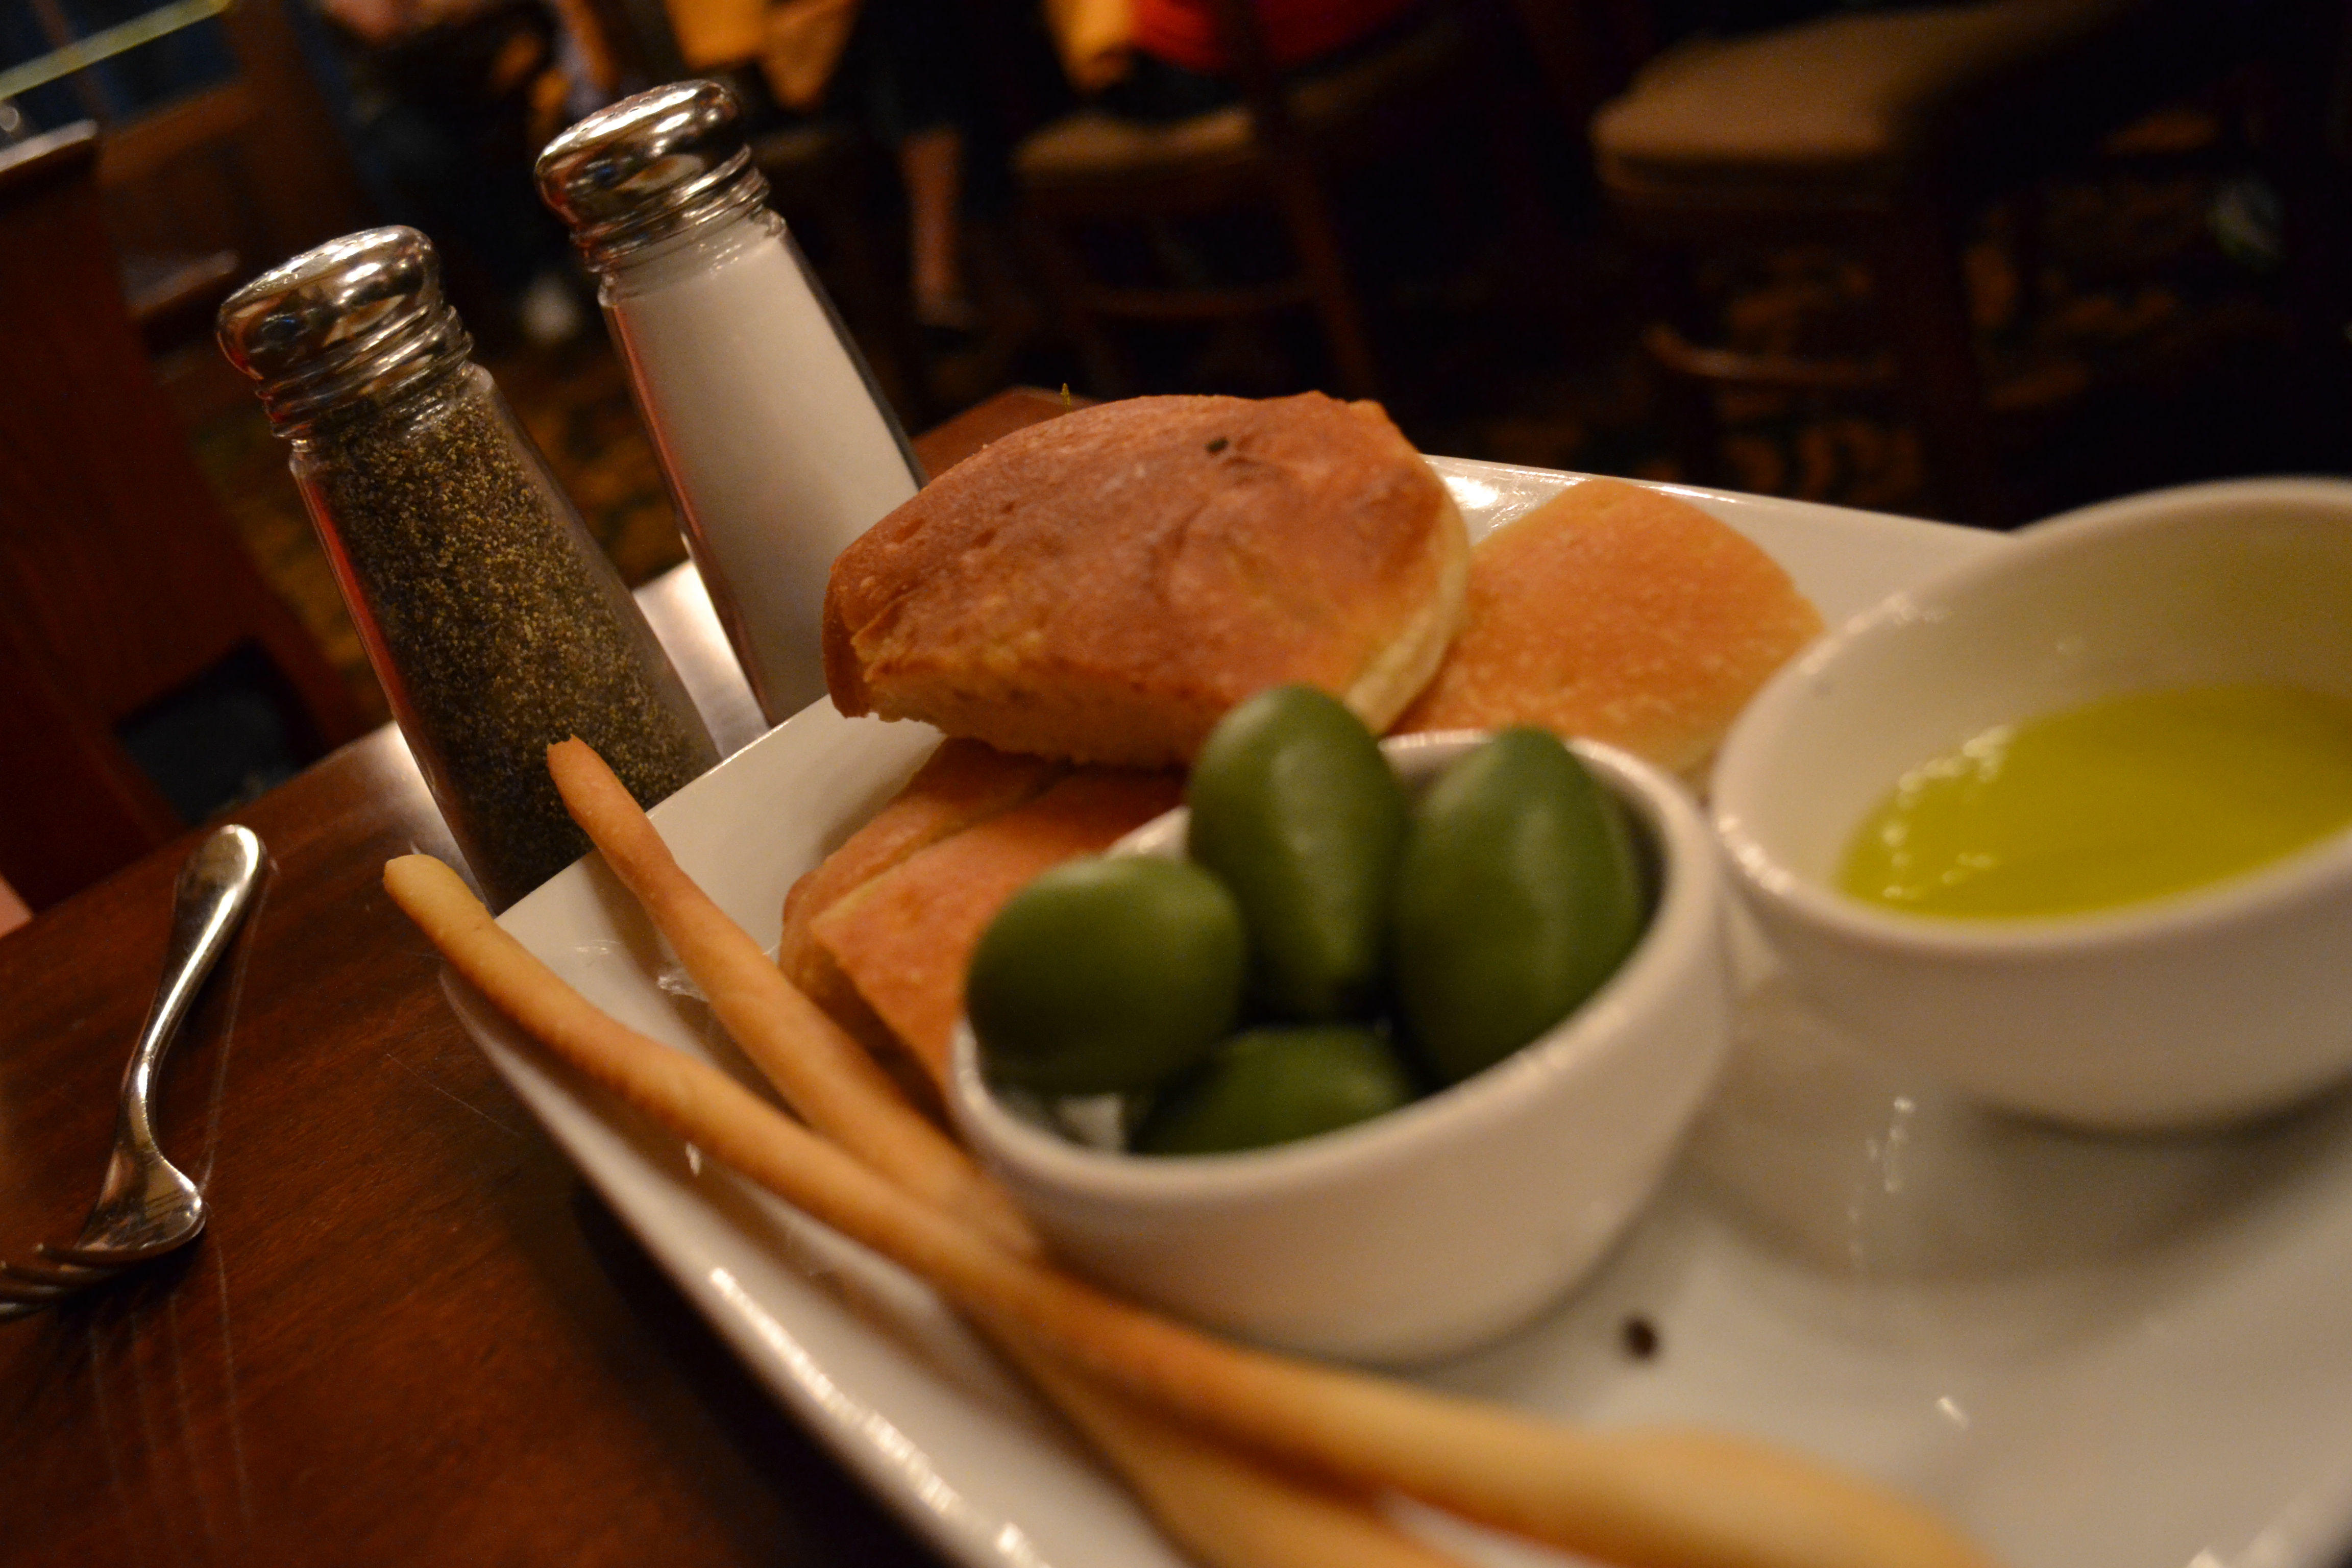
{"points": [[777, 446], [495, 623]]}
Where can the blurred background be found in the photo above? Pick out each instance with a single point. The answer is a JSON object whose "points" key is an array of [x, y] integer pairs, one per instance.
{"points": [[1980, 262]]}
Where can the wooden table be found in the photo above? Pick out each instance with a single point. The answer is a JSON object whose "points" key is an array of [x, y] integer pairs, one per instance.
{"points": [[412, 1334]]}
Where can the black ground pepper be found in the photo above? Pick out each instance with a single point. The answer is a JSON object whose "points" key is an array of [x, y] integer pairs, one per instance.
{"points": [[496, 625]]}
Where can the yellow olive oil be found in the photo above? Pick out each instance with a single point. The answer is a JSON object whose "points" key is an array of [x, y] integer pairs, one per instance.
{"points": [[2128, 798]]}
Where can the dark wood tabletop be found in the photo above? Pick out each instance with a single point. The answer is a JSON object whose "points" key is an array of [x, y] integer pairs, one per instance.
{"points": [[412, 1333]]}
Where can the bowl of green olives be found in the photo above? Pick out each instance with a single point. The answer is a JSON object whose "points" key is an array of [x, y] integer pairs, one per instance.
{"points": [[1370, 1049]]}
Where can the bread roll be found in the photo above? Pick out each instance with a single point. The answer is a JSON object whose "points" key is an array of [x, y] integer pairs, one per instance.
{"points": [[1104, 586], [1618, 613]]}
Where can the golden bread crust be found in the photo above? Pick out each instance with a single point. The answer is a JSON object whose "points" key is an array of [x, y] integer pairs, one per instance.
{"points": [[1621, 615], [1102, 588], [904, 938], [959, 784]]}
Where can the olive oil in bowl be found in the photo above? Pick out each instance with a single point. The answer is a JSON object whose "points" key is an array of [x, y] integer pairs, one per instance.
{"points": [[2128, 798]]}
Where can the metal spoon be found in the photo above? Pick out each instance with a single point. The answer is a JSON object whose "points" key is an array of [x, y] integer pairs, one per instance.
{"points": [[147, 1206]]}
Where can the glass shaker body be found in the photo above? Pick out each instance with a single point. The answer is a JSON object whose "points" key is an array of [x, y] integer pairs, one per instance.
{"points": [[493, 620], [777, 446]]}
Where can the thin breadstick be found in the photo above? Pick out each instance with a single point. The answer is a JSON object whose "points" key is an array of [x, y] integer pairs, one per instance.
{"points": [[1218, 1505], [1226, 1510], [1644, 1500], [1223, 1510], [828, 1078]]}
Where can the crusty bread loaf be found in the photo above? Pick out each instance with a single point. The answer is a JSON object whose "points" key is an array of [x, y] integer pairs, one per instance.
{"points": [[905, 936], [1618, 613], [1104, 586], [960, 783]]}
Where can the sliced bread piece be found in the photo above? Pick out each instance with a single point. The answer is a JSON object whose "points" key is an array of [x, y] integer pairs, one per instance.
{"points": [[904, 938]]}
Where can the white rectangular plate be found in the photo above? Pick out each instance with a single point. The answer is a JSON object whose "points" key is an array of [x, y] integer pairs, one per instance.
{"points": [[2093, 1353]]}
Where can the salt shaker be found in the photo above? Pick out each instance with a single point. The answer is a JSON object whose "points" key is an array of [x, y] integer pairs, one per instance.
{"points": [[494, 622], [778, 448]]}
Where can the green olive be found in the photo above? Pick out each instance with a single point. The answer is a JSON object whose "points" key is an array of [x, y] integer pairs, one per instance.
{"points": [[1518, 895], [1107, 976], [1276, 1084], [1298, 813]]}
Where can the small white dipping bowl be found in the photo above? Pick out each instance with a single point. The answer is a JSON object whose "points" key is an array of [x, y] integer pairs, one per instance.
{"points": [[1424, 1231], [2206, 1007]]}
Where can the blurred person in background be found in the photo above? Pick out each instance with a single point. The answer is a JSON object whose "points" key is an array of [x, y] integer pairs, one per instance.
{"points": [[1676, 19], [447, 103], [906, 72], [1174, 64], [909, 70]]}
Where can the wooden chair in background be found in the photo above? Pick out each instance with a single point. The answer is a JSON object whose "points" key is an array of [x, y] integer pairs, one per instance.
{"points": [[1877, 133], [121, 582], [1279, 149]]}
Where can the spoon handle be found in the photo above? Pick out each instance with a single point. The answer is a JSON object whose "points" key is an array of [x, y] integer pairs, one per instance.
{"points": [[214, 889]]}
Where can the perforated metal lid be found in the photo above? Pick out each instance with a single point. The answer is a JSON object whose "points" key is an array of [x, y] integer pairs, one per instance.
{"points": [[649, 168], [357, 318]]}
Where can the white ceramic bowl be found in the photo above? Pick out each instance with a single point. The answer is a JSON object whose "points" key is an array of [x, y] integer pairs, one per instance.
{"points": [[1424, 1231], [2203, 1007]]}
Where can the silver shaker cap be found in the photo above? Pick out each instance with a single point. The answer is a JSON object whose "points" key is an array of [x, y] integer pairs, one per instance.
{"points": [[651, 167], [357, 318]]}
